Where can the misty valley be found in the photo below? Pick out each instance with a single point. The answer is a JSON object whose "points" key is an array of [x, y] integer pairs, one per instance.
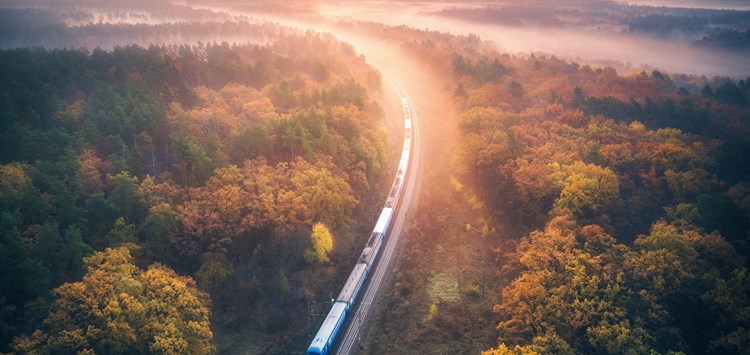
{"points": [[382, 177]]}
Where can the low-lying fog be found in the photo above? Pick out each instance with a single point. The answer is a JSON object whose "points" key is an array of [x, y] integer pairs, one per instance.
{"points": [[584, 31], [582, 45], [598, 43], [715, 4]]}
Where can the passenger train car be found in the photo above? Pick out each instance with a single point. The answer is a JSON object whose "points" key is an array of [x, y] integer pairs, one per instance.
{"points": [[326, 335]]}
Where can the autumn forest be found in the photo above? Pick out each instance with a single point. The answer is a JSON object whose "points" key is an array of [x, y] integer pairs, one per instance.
{"points": [[195, 180]]}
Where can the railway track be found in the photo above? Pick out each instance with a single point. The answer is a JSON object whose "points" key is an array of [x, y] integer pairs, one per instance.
{"points": [[354, 328]]}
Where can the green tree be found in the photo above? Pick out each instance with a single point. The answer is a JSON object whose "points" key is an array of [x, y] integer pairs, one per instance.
{"points": [[100, 216], [60, 253], [125, 197], [195, 164], [23, 276], [121, 233], [157, 232], [215, 268]]}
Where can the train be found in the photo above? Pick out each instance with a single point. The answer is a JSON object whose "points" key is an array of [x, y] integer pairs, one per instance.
{"points": [[326, 335]]}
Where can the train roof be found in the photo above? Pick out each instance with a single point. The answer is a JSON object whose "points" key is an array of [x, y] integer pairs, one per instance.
{"points": [[383, 220], [367, 252], [329, 326], [352, 283]]}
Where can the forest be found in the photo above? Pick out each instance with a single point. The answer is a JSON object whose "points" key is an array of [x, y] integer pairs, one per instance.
{"points": [[608, 210], [190, 181], [25, 27], [717, 28], [152, 196]]}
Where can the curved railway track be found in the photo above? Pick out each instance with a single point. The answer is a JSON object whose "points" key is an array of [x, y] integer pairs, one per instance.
{"points": [[360, 314], [347, 319]]}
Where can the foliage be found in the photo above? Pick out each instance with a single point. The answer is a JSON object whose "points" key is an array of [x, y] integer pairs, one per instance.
{"points": [[502, 349], [215, 159], [601, 296], [322, 242], [586, 188], [119, 308], [585, 163]]}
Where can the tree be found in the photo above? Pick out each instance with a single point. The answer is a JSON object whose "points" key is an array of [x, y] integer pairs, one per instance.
{"points": [[100, 216], [731, 302], [157, 232], [687, 185], [23, 276], [195, 164], [153, 193], [121, 233], [322, 242], [215, 268], [573, 296], [124, 197], [91, 170], [12, 180], [118, 308], [213, 214], [470, 155], [327, 198], [587, 188], [60, 253]]}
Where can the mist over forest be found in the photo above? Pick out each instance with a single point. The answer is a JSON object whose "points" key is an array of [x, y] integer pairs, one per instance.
{"points": [[709, 41], [200, 176]]}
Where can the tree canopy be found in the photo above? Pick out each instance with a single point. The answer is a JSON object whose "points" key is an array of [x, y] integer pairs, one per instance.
{"points": [[119, 308]]}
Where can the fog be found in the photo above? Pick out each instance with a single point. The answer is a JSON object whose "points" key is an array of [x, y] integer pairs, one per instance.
{"points": [[573, 44], [600, 42], [633, 51], [606, 45], [716, 4], [93, 4]]}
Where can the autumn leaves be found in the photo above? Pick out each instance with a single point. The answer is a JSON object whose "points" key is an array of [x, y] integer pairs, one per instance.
{"points": [[623, 247], [233, 164], [259, 196], [120, 308]]}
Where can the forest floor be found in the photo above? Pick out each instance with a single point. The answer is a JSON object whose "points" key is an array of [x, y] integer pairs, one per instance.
{"points": [[443, 287]]}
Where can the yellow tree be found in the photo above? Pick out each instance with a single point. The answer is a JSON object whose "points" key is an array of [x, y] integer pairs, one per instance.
{"points": [[264, 185], [153, 193], [322, 241], [470, 156], [12, 180], [587, 188], [571, 283], [213, 214], [118, 308], [502, 349], [327, 198]]}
